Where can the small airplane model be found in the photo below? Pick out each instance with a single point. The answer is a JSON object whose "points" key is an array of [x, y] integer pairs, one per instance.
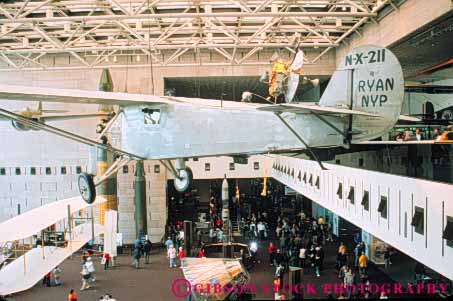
{"points": [[362, 102]]}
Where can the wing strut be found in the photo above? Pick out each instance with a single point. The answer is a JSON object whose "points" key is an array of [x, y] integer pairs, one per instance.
{"points": [[65, 134], [301, 140]]}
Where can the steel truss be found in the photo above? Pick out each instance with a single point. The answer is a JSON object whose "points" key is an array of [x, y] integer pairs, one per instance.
{"points": [[105, 32]]}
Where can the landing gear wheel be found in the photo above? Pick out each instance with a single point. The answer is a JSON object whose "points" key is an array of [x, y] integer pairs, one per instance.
{"points": [[183, 183], [87, 189]]}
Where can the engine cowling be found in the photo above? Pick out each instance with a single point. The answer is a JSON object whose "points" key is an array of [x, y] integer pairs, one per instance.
{"points": [[21, 127]]}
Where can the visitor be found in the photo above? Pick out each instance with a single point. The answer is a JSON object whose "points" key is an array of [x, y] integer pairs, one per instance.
{"points": [[363, 263], [418, 135], [318, 261], [349, 281], [46, 279], [302, 256], [271, 252], [181, 254], [278, 259], [72, 295], [147, 250], [136, 257], [201, 253], [56, 273], [86, 276], [171, 255], [105, 260], [90, 266], [169, 242], [261, 230]]}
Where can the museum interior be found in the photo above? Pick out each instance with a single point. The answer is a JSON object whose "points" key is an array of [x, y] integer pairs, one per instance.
{"points": [[226, 149]]}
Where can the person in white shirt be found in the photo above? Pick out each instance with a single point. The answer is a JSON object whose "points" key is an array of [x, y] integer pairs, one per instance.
{"points": [[261, 229], [302, 256], [171, 255]]}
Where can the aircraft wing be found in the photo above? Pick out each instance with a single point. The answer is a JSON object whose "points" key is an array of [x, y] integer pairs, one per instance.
{"points": [[311, 108], [31, 222], [26, 93]]}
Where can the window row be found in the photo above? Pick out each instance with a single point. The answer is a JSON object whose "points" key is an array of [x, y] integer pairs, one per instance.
{"points": [[418, 217], [18, 171], [307, 179]]}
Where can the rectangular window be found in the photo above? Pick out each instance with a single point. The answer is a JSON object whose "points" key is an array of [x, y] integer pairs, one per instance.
{"points": [[317, 182], [340, 190], [48, 171], [2, 171], [299, 176], [418, 220], [125, 169], [382, 209], [351, 194], [310, 180], [63, 170], [256, 165], [305, 178], [33, 171], [361, 162], [17, 171], [195, 159], [232, 167], [448, 231], [152, 116], [366, 200], [207, 167], [157, 168], [78, 169], [337, 161]]}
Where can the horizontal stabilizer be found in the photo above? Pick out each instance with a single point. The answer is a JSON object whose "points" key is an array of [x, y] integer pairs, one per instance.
{"points": [[312, 108], [409, 118]]}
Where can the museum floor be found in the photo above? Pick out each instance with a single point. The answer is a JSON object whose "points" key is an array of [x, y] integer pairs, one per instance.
{"points": [[154, 281]]}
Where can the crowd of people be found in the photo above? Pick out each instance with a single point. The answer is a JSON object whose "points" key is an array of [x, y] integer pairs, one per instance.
{"points": [[436, 134]]}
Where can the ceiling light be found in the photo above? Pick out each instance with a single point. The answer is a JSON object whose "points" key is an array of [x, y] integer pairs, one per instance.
{"points": [[107, 59], [138, 58], [25, 42], [115, 59]]}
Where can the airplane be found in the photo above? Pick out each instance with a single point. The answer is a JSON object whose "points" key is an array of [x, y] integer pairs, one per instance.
{"points": [[362, 101]]}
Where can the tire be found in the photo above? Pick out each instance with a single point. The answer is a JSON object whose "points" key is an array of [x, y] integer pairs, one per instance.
{"points": [[183, 184], [87, 189]]}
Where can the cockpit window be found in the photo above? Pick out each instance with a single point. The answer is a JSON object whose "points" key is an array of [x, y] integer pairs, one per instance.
{"points": [[152, 116]]}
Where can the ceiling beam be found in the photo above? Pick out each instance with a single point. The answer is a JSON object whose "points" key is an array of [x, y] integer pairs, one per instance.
{"points": [[187, 15]]}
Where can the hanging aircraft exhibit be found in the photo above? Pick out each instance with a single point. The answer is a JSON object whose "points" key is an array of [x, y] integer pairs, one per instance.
{"points": [[362, 102]]}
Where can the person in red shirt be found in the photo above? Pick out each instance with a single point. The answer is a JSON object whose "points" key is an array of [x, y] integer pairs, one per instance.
{"points": [[201, 253], [106, 260], [72, 296], [271, 251], [181, 254]]}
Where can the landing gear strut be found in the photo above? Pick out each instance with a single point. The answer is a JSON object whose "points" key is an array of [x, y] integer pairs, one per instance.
{"points": [[183, 175]]}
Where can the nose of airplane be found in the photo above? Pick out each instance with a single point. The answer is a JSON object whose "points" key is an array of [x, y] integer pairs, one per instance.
{"points": [[106, 83]]}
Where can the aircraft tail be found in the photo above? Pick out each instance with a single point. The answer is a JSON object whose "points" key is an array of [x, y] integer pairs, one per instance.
{"points": [[374, 83]]}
